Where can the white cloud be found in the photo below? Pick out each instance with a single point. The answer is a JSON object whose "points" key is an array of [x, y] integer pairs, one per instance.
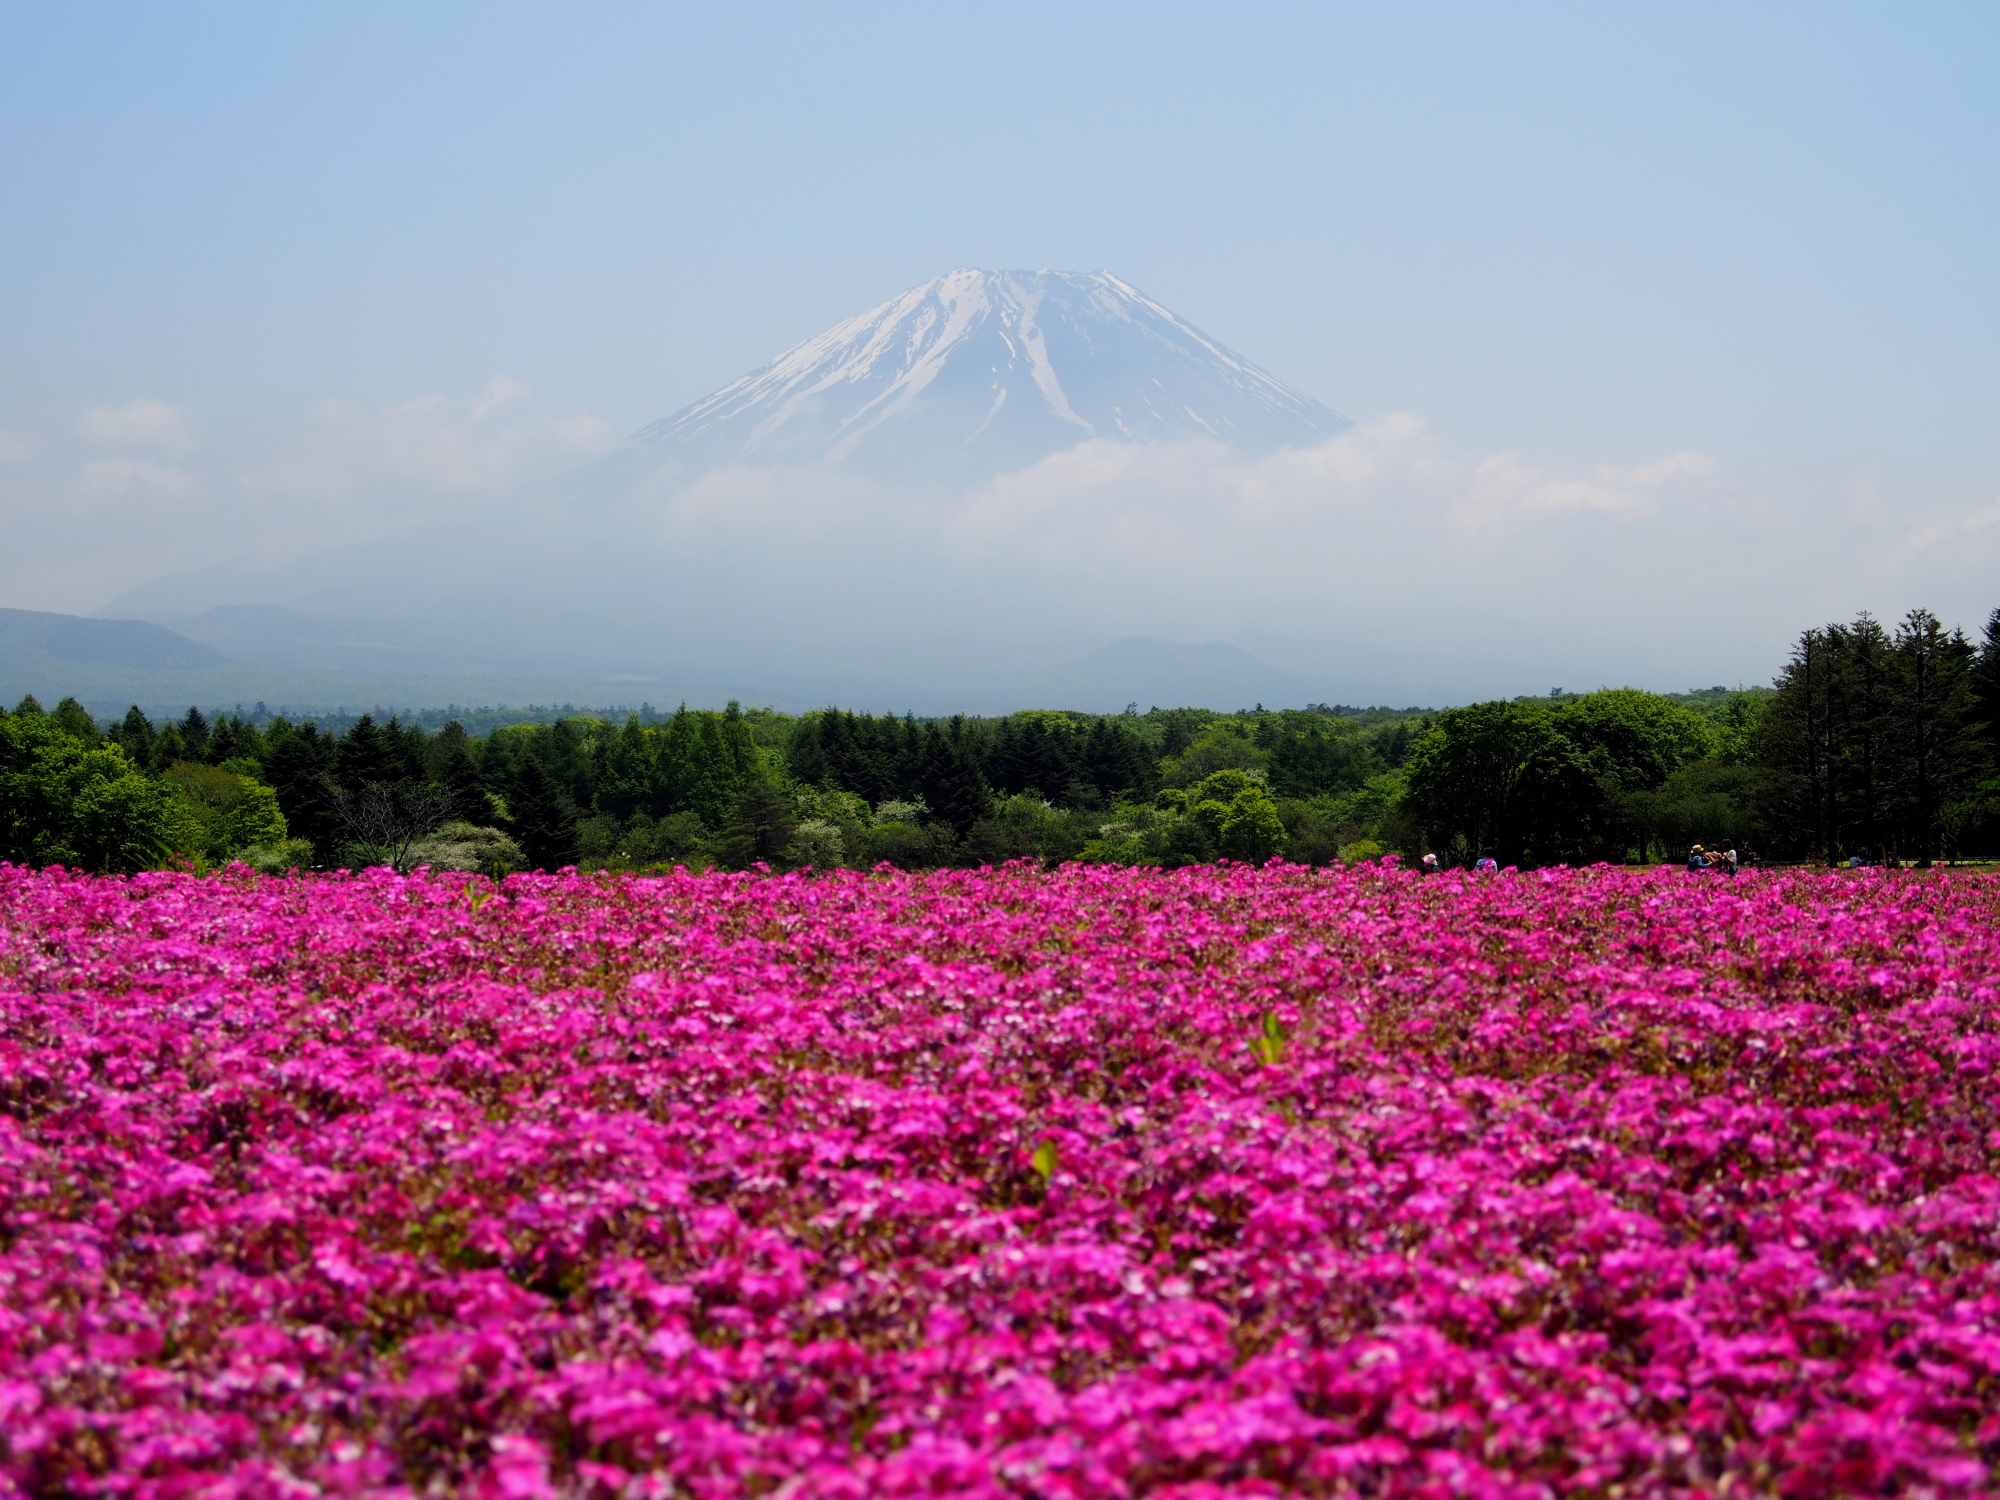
{"points": [[1392, 469], [434, 446], [1386, 535], [135, 476], [140, 424], [1505, 486], [501, 391], [1952, 529], [1384, 506], [78, 528]]}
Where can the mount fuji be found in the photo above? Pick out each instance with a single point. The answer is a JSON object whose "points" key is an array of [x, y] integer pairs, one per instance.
{"points": [[985, 372]]}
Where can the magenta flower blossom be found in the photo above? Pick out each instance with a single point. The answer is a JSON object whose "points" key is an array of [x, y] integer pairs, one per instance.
{"points": [[1100, 1182]]}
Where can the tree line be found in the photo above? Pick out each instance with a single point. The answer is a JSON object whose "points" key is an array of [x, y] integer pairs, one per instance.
{"points": [[1872, 743]]}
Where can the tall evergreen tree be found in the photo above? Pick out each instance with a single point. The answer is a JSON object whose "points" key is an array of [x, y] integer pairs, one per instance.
{"points": [[1937, 714], [544, 817], [1986, 687], [1861, 733], [1824, 733], [1004, 770], [949, 779], [233, 738], [861, 755], [458, 774], [412, 749], [298, 767], [624, 780], [134, 735], [759, 826], [565, 756], [803, 756], [1319, 758], [194, 734], [169, 749], [368, 754]]}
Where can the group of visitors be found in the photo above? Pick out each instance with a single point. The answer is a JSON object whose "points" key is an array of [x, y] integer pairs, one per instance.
{"points": [[1429, 864], [1883, 860], [1699, 858], [1712, 859]]}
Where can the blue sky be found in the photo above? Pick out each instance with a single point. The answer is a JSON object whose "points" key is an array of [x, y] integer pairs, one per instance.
{"points": [[1594, 234]]}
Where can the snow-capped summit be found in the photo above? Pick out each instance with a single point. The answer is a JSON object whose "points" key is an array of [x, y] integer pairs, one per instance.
{"points": [[983, 372]]}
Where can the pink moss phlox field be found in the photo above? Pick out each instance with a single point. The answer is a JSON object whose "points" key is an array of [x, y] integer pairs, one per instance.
{"points": [[1099, 1182]]}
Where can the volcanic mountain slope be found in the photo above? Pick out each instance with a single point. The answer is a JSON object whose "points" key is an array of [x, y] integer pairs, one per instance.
{"points": [[984, 372]]}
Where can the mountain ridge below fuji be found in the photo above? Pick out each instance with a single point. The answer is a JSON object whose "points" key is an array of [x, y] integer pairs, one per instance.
{"points": [[239, 654]]}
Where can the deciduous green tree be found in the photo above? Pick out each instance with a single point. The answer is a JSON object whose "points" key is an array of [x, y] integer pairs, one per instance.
{"points": [[64, 803], [1252, 830]]}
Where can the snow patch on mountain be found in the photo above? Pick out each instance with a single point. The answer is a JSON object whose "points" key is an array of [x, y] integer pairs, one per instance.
{"points": [[984, 372]]}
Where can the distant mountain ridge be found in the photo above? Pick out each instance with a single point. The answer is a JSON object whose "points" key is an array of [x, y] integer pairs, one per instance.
{"points": [[309, 663], [983, 372], [77, 641]]}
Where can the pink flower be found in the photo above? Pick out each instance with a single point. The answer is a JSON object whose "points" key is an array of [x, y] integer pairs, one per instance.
{"points": [[1218, 1182]]}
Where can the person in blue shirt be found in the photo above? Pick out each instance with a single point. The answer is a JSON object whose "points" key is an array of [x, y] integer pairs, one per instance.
{"points": [[1697, 859]]}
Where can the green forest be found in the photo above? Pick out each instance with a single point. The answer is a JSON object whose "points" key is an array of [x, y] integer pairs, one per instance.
{"points": [[1874, 744]]}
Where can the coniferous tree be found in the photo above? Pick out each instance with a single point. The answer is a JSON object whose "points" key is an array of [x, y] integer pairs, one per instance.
{"points": [[1040, 769], [742, 746], [1977, 820], [233, 738], [1317, 759], [949, 779], [624, 780], [861, 756], [411, 749], [29, 706], [1937, 715], [169, 749], [459, 775], [759, 827], [1809, 738], [1003, 760], [441, 744], [566, 759], [1182, 726], [803, 756], [693, 768], [1986, 687], [543, 816], [298, 766], [134, 735], [194, 734], [1101, 765], [367, 754], [899, 748], [450, 763]]}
